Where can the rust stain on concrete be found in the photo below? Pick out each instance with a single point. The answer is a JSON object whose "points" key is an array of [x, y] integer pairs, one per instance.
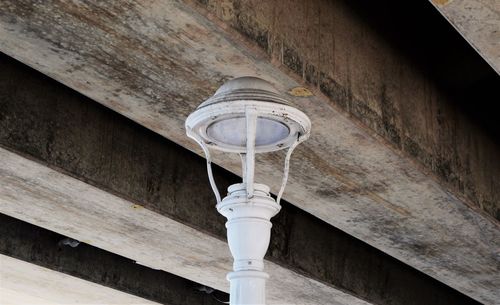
{"points": [[440, 2], [300, 92]]}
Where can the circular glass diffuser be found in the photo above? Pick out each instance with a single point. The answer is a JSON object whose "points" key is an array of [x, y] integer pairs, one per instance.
{"points": [[221, 122]]}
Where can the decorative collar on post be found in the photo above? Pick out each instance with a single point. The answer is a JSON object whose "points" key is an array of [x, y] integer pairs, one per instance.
{"points": [[247, 115]]}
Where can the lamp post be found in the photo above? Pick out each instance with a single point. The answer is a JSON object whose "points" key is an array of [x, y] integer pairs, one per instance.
{"points": [[247, 115]]}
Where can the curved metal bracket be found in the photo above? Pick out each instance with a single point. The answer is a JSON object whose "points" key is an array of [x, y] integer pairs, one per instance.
{"points": [[200, 142], [300, 139]]}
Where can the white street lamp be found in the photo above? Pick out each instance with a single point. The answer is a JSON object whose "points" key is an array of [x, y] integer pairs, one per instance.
{"points": [[247, 115]]}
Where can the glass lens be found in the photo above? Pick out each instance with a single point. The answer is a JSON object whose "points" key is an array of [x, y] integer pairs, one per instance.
{"points": [[233, 131]]}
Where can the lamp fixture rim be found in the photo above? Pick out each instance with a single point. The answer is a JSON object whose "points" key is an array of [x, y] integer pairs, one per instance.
{"points": [[297, 122]]}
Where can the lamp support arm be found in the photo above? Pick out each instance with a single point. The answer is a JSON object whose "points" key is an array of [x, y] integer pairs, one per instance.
{"points": [[211, 179], [300, 139]]}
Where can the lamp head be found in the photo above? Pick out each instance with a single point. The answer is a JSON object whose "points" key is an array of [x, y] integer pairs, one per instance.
{"points": [[221, 121]]}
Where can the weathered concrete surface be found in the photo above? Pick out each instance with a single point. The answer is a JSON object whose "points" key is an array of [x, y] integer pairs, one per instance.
{"points": [[38, 246], [70, 207], [418, 85], [155, 61], [23, 283], [479, 22], [161, 176]]}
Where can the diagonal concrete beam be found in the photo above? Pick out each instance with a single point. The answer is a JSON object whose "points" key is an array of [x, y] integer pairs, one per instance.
{"points": [[155, 61], [478, 21], [34, 245], [39, 195], [23, 283], [54, 125], [396, 75]]}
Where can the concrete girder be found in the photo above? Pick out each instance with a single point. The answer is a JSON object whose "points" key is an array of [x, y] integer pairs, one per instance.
{"points": [[479, 23], [39, 195], [35, 246], [134, 57], [54, 125], [24, 283], [401, 78]]}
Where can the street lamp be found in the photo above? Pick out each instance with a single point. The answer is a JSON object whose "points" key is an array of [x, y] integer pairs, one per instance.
{"points": [[247, 115]]}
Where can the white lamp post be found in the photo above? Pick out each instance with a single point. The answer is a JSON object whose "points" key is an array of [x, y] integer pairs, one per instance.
{"points": [[247, 115]]}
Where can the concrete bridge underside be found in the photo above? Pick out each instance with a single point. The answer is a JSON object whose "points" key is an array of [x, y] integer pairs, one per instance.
{"points": [[393, 200]]}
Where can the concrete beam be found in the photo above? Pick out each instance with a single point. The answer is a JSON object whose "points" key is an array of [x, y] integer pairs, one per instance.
{"points": [[380, 64], [58, 127], [39, 195], [479, 22], [37, 246], [23, 283], [154, 62]]}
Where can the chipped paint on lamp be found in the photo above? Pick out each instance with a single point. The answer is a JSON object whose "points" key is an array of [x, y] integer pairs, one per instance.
{"points": [[247, 115]]}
